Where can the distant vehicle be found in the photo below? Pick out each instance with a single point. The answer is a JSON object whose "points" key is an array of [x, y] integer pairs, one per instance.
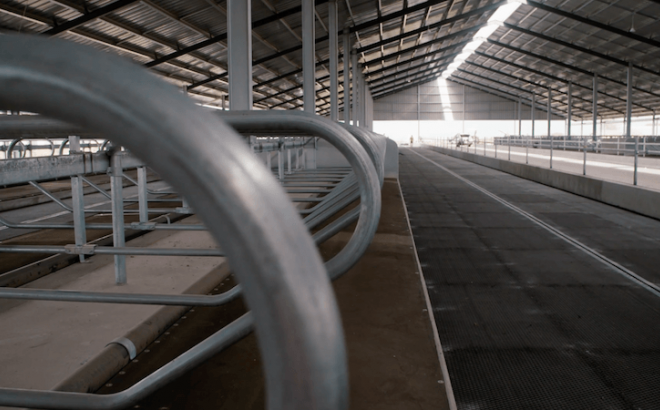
{"points": [[465, 139]]}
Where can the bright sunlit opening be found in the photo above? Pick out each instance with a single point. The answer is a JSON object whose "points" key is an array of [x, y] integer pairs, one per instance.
{"points": [[494, 22], [444, 99]]}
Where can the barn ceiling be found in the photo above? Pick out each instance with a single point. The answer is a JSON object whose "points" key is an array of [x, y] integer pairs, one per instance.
{"points": [[541, 47]]}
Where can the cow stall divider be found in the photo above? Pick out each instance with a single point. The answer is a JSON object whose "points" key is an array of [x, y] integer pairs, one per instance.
{"points": [[274, 257]]}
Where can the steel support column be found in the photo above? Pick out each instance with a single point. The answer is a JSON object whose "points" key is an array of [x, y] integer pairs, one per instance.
{"points": [[347, 77], [354, 83], [143, 202], [595, 110], [308, 56], [280, 163], [288, 160], [239, 40], [550, 124], [594, 120], [629, 119], [363, 101], [570, 112], [118, 238], [334, 63], [533, 118], [78, 200]]}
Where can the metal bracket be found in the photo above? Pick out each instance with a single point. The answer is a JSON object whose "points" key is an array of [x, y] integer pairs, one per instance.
{"points": [[143, 226], [87, 249], [127, 344]]}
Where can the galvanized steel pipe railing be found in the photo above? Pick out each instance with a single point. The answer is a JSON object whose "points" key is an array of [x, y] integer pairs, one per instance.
{"points": [[298, 122], [368, 142], [275, 260]]}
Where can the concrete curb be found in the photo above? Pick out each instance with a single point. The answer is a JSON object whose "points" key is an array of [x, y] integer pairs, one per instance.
{"points": [[99, 369], [632, 198]]}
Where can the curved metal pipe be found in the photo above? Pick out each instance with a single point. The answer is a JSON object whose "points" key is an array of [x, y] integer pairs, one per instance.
{"points": [[368, 143], [52, 147], [275, 260], [381, 142], [37, 127], [11, 147], [64, 143], [298, 122]]}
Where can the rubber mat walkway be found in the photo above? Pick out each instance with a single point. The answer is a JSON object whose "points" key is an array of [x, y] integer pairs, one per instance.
{"points": [[531, 308]]}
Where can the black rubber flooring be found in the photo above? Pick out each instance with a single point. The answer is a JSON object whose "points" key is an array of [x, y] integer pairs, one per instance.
{"points": [[526, 320]]}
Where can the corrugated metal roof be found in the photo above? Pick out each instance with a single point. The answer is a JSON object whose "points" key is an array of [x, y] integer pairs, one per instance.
{"points": [[545, 44]]}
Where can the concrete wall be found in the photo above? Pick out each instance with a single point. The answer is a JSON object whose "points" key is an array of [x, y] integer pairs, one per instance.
{"points": [[392, 160], [450, 101], [632, 198], [328, 156]]}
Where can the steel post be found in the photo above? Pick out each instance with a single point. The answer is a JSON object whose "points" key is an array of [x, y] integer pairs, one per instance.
{"points": [[118, 238], [347, 77], [354, 83], [629, 119], [239, 41], [77, 200], [143, 202], [594, 120], [570, 112], [288, 160], [280, 164], [334, 56], [595, 109], [308, 57], [550, 123], [532, 137]]}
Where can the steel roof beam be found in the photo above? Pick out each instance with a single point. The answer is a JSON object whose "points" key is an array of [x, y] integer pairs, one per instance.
{"points": [[435, 67], [223, 36], [397, 86], [87, 17], [288, 90], [544, 87], [419, 81], [522, 97], [439, 24], [419, 57], [597, 24], [568, 66], [495, 91], [423, 45], [541, 73], [527, 91], [578, 48], [281, 53], [298, 98], [395, 15], [280, 15]]}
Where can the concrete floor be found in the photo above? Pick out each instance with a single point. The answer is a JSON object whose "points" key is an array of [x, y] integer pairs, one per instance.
{"points": [[527, 319], [43, 342]]}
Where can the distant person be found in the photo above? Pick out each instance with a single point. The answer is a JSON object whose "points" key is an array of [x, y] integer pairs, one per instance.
{"points": [[411, 140]]}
